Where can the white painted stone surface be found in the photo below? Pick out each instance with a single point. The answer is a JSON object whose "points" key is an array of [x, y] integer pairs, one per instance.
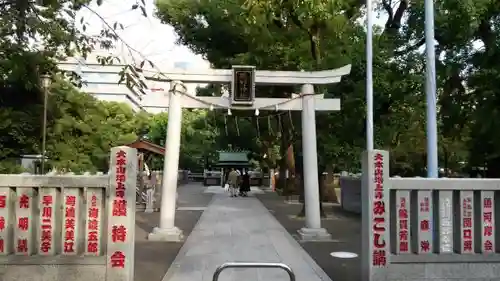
{"points": [[94, 222], [310, 159], [24, 241], [34, 181], [166, 230], [458, 205], [424, 220], [26, 214], [403, 227], [466, 222], [375, 213], [445, 222], [121, 214], [48, 221], [272, 77], [7, 219], [465, 262], [72, 221], [487, 218]]}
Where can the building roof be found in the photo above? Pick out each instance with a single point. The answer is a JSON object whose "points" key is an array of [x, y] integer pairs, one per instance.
{"points": [[233, 158], [144, 145]]}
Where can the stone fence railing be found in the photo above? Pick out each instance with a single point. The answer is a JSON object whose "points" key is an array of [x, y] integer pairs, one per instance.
{"points": [[430, 211], [71, 227], [420, 228], [157, 176]]}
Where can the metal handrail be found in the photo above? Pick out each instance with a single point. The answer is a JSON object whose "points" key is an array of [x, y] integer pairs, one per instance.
{"points": [[253, 265]]}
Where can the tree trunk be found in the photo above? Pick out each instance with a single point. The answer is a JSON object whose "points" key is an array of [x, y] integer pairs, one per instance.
{"points": [[321, 210], [283, 181], [492, 168], [445, 162], [282, 177], [302, 212], [299, 171]]}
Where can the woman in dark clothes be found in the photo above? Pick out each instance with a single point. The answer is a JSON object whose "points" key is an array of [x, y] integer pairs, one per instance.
{"points": [[245, 184]]}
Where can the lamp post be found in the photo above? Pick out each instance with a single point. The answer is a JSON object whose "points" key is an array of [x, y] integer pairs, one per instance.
{"points": [[46, 81], [430, 92], [369, 75]]}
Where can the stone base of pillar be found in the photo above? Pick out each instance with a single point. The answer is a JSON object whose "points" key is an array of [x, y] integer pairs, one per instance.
{"points": [[314, 234], [170, 235]]}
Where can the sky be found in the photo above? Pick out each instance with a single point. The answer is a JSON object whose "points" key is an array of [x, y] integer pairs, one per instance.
{"points": [[149, 38], [152, 39]]}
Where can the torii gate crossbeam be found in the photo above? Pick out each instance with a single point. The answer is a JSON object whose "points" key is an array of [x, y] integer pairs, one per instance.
{"points": [[262, 77]]}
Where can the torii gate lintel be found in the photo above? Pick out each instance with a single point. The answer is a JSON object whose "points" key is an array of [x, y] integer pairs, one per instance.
{"points": [[276, 104]]}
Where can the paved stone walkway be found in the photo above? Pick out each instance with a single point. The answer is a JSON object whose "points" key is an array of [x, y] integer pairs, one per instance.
{"points": [[240, 230], [152, 258]]}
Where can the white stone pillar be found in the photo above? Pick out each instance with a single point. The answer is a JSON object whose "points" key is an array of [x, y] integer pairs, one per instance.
{"points": [[120, 245], [375, 227], [312, 229], [167, 230]]}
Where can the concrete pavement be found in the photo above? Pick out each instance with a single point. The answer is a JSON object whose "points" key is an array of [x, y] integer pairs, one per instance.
{"points": [[152, 258], [240, 230], [344, 227]]}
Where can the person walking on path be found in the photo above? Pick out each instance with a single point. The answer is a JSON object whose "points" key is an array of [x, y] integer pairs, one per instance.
{"points": [[232, 180], [245, 184], [225, 175]]}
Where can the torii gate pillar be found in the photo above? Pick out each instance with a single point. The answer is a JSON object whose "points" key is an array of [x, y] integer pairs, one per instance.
{"points": [[307, 102], [166, 230], [312, 229]]}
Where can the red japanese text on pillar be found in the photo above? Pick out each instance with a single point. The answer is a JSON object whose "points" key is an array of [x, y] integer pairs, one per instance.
{"points": [[379, 255], [69, 224], [46, 225], [403, 226], [467, 225], [93, 226], [119, 209], [424, 224], [23, 224], [488, 224], [120, 202], [3, 205]]}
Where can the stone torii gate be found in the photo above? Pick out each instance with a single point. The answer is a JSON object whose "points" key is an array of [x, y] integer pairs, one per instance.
{"points": [[242, 97]]}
